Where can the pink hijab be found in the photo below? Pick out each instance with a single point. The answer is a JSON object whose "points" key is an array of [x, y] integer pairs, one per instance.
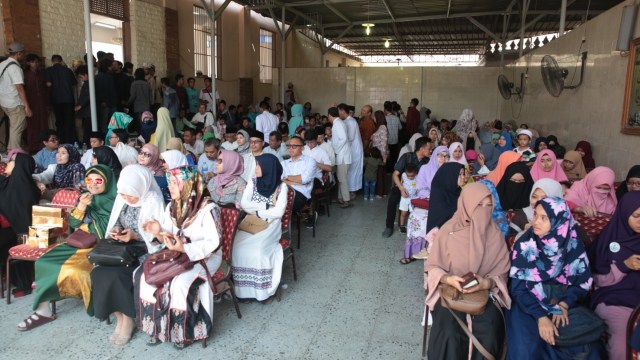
{"points": [[585, 193], [232, 167], [155, 164], [556, 173]]}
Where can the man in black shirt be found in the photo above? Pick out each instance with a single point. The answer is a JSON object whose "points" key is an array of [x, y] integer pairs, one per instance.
{"points": [[61, 80], [419, 157]]}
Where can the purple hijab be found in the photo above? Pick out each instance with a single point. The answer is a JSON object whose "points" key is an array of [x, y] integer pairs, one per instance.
{"points": [[232, 167], [616, 243], [427, 172]]}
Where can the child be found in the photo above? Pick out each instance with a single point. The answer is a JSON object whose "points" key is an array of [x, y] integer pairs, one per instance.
{"points": [[409, 183], [371, 164], [524, 139], [47, 155]]}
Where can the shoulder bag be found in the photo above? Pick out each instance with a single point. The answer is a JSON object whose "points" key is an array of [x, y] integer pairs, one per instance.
{"points": [[111, 252], [164, 265], [81, 239], [252, 224]]}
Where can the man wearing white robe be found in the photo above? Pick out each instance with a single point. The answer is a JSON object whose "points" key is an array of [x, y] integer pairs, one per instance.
{"points": [[354, 175], [342, 148]]}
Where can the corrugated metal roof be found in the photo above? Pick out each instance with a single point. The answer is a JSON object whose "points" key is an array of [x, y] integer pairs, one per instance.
{"points": [[429, 26]]}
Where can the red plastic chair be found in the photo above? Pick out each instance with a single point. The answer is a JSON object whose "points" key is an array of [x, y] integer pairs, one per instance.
{"points": [[632, 354], [284, 242], [26, 253]]}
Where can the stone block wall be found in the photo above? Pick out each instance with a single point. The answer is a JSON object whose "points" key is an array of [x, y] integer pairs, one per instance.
{"points": [[148, 35], [22, 23], [62, 29]]}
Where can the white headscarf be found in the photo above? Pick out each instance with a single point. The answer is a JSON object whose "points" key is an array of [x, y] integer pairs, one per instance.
{"points": [[137, 180], [466, 124], [549, 186], [174, 159], [463, 159], [411, 146]]}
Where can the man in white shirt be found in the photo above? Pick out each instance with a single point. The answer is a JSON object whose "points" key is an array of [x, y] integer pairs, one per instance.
{"points": [[342, 148], [276, 146], [326, 146], [256, 143], [96, 139], [230, 138], [208, 160], [125, 153], [298, 172], [13, 98], [355, 173], [266, 122], [191, 143], [312, 150], [203, 118]]}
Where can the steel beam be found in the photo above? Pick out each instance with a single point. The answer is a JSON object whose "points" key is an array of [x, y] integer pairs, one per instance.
{"points": [[335, 11], [483, 28], [221, 9], [563, 15], [336, 40]]}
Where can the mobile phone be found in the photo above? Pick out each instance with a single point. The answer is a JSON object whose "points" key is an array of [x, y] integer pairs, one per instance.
{"points": [[170, 236], [470, 281]]}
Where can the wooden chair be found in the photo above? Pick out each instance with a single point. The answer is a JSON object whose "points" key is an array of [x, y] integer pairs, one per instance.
{"points": [[286, 243], [632, 354], [323, 195], [304, 214]]}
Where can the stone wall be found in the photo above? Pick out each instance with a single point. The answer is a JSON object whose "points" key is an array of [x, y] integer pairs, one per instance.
{"points": [[148, 35], [62, 29]]}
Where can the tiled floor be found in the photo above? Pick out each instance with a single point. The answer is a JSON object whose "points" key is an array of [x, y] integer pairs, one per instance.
{"points": [[352, 300]]}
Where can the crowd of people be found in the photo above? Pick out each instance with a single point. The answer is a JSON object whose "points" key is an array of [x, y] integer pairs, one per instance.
{"points": [[489, 205]]}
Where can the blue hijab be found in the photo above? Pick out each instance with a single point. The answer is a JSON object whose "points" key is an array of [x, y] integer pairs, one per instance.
{"points": [[271, 178], [498, 215], [508, 146]]}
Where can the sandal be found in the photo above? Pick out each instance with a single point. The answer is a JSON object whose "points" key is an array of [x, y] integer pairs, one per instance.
{"points": [[34, 320], [182, 344], [121, 340], [153, 341], [405, 261], [346, 205]]}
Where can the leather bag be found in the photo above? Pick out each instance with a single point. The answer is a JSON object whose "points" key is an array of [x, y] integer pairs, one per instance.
{"points": [[109, 252], [81, 239], [252, 224], [473, 303], [164, 265]]}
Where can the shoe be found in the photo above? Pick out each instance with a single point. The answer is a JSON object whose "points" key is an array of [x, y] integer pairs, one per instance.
{"points": [[403, 229], [405, 261], [387, 232], [311, 224], [34, 320]]}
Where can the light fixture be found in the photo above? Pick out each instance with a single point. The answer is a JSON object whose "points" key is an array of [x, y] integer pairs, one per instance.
{"points": [[386, 43], [104, 25], [368, 27]]}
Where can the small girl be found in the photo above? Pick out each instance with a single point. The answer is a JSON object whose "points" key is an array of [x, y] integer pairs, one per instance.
{"points": [[409, 183], [371, 163]]}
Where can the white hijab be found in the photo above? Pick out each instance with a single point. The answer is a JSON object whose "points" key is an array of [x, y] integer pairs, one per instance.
{"points": [[411, 146], [136, 180], [174, 159], [463, 159], [549, 186]]}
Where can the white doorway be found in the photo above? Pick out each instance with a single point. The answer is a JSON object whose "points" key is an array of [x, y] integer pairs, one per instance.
{"points": [[106, 35]]}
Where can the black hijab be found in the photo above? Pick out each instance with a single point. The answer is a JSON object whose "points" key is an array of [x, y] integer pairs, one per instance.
{"points": [[557, 149], [271, 177], [515, 195], [539, 141], [444, 194], [623, 189], [19, 193], [106, 156]]}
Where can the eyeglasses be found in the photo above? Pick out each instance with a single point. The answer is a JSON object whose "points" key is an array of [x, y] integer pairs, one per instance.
{"points": [[97, 181], [145, 154], [633, 183], [444, 156], [293, 146]]}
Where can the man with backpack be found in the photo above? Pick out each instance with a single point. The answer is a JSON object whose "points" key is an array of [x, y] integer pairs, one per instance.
{"points": [[13, 98]]}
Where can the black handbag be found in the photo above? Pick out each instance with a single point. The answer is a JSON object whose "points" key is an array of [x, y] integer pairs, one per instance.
{"points": [[111, 252]]}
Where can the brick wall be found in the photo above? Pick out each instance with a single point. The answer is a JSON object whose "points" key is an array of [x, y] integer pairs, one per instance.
{"points": [[62, 29], [148, 35], [22, 23]]}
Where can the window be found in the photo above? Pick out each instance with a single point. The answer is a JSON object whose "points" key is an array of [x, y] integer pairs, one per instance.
{"points": [[202, 43], [266, 56]]}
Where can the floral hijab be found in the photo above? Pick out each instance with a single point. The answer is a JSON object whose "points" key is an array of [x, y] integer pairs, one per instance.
{"points": [[466, 123], [71, 173], [557, 256], [118, 120], [192, 195]]}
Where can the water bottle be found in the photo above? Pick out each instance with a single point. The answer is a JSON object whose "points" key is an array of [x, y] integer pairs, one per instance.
{"points": [[205, 169]]}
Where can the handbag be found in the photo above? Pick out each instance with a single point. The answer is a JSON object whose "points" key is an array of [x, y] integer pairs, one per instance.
{"points": [[164, 265], [252, 224], [109, 252], [81, 239], [473, 303]]}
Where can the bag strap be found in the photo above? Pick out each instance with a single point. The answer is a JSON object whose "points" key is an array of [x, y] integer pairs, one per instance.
{"points": [[6, 67], [473, 339], [212, 284]]}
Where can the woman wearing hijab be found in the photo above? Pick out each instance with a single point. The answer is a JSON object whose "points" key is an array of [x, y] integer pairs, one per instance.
{"points": [[435, 136], [554, 145], [427, 172], [118, 121], [228, 186], [546, 166], [176, 144], [149, 157], [164, 130], [295, 121], [468, 242], [257, 258], [498, 215], [67, 172], [466, 124], [188, 226], [573, 166], [19, 193], [505, 143], [630, 183], [541, 144], [242, 138], [487, 159], [505, 159], [456, 151], [594, 194], [550, 275], [379, 141], [64, 271], [411, 145], [584, 148], [515, 186], [105, 155], [615, 261], [543, 188]]}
